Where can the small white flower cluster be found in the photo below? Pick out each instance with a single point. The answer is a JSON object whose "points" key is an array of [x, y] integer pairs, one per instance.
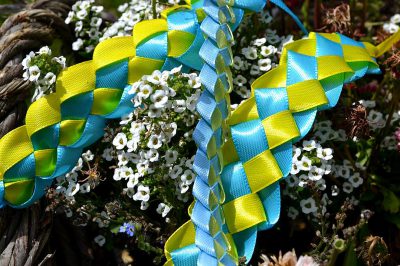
{"points": [[323, 132], [256, 58], [131, 13], [153, 145], [42, 69], [392, 26], [310, 163], [69, 185], [377, 121], [352, 178], [87, 20]]}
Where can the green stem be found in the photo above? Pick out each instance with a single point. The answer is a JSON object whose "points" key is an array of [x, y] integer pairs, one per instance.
{"points": [[154, 8], [386, 129]]}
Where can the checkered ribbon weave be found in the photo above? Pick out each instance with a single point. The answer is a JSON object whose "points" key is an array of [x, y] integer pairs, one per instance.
{"points": [[60, 125], [236, 189]]}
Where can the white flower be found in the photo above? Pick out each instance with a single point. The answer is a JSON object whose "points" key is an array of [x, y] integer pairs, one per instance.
{"points": [[240, 80], [309, 145], [78, 26], [123, 158], [76, 46], [335, 190], [69, 17], [286, 40], [356, 180], [179, 106], [191, 103], [254, 70], [308, 205], [343, 171], [347, 187], [296, 152], [292, 180], [154, 142], [296, 165], [93, 34], [144, 205], [321, 184], [194, 81], [152, 155], [27, 60], [117, 174], [71, 177], [78, 165], [88, 156], [120, 141], [306, 261], [133, 181], [237, 63], [96, 22], [250, 53], [184, 187], [143, 193], [324, 154], [107, 154], [327, 168], [169, 130], [375, 119], [100, 240], [268, 50], [175, 171], [97, 9], [85, 188], [163, 209], [126, 172], [292, 213], [136, 128], [303, 180], [265, 64], [81, 14], [61, 60], [155, 78], [176, 70], [188, 177], [154, 112], [72, 189], [89, 48], [45, 50], [395, 19], [390, 28], [368, 104], [68, 212], [171, 156], [159, 99], [259, 42], [34, 73], [189, 163], [305, 163]]}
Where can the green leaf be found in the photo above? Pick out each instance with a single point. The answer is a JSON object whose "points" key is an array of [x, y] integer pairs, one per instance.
{"points": [[115, 229], [394, 219], [391, 202], [351, 256]]}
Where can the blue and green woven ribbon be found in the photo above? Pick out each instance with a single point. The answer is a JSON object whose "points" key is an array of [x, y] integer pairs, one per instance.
{"points": [[237, 185]]}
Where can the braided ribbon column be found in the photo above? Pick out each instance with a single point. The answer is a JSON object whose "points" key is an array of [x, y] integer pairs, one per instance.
{"points": [[213, 108]]}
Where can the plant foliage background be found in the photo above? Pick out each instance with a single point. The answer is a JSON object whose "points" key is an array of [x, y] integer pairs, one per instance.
{"points": [[131, 190]]}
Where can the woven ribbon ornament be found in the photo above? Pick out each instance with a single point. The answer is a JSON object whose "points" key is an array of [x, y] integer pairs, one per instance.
{"points": [[236, 189]]}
